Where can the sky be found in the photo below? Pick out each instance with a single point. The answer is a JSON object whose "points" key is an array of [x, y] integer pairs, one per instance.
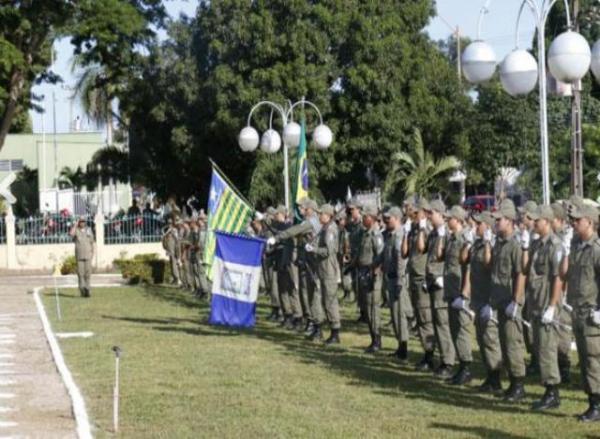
{"points": [[498, 29]]}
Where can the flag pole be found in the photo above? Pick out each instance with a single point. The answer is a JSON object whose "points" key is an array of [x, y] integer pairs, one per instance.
{"points": [[235, 189]]}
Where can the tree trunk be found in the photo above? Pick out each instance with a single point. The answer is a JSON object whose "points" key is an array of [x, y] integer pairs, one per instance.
{"points": [[16, 88]]}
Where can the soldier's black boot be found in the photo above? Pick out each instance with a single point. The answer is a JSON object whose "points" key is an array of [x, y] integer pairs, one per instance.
{"points": [[316, 333], [402, 352], [516, 390], [463, 376], [310, 326], [564, 367], [444, 372], [334, 338], [426, 363], [274, 314], [592, 414], [375, 345], [288, 322], [550, 400], [298, 324]]}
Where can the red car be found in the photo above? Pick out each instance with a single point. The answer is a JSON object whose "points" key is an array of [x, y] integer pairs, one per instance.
{"points": [[479, 203]]}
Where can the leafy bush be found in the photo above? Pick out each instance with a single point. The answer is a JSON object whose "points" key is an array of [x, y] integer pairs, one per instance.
{"points": [[145, 268], [68, 265]]}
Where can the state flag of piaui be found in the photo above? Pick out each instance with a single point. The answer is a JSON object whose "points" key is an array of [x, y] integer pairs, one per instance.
{"points": [[236, 276], [227, 212]]}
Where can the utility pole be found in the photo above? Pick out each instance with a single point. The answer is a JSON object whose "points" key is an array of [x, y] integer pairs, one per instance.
{"points": [[576, 135], [456, 33]]}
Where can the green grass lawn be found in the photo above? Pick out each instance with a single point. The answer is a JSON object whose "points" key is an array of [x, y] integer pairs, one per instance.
{"points": [[184, 379]]}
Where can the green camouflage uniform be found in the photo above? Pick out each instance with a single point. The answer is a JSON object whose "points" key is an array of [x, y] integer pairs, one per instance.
{"points": [[394, 270], [369, 278], [84, 252], [170, 244], [328, 271]]}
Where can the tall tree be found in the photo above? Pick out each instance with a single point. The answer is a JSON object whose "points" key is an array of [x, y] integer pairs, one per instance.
{"points": [[105, 32]]}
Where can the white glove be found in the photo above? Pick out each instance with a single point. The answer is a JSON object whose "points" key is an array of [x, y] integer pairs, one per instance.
{"points": [[423, 224], [485, 313], [259, 216], [441, 231], [548, 316], [458, 303], [511, 310], [488, 236], [407, 226], [469, 236], [309, 248], [271, 241], [525, 239], [439, 281], [595, 315]]}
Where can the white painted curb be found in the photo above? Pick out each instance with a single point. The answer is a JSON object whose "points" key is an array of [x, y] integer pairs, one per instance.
{"points": [[79, 410]]}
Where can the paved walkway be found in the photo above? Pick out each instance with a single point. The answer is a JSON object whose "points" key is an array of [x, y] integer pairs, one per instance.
{"points": [[33, 399]]}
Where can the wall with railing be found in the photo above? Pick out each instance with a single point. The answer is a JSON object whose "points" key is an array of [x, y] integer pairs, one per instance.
{"points": [[39, 243]]}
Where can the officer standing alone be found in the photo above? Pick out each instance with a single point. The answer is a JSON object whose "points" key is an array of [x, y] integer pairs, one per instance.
{"points": [[83, 238]]}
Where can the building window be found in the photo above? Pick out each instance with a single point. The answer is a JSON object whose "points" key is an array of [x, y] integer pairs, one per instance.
{"points": [[11, 165]]}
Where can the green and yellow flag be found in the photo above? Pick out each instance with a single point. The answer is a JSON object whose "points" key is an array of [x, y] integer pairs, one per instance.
{"points": [[301, 183], [227, 212]]}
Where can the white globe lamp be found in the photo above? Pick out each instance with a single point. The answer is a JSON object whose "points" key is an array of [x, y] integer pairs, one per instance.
{"points": [[270, 141], [569, 57], [479, 62], [596, 60], [322, 136], [291, 134], [519, 73], [248, 139]]}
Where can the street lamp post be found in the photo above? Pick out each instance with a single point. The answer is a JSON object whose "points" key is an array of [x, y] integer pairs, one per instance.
{"points": [[569, 59], [270, 142]]}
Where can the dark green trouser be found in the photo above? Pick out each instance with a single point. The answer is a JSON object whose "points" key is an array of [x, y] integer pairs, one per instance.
{"points": [[441, 325], [314, 295], [361, 296], [512, 344], [545, 338], [84, 274], [288, 294], [400, 309], [421, 303], [174, 268], [370, 288], [303, 286], [488, 340], [329, 287], [587, 338], [565, 337], [273, 288], [188, 275], [528, 335], [460, 328]]}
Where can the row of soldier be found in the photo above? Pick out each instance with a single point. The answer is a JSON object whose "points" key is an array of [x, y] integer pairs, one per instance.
{"points": [[509, 275], [183, 241]]}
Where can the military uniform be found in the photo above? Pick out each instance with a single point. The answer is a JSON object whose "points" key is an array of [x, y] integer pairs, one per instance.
{"points": [[343, 257], [355, 232], [170, 244], [306, 233], [486, 329], [369, 260], [394, 271], [506, 267], [84, 252], [421, 301], [270, 276], [439, 307], [328, 271], [584, 296], [197, 239], [459, 318]]}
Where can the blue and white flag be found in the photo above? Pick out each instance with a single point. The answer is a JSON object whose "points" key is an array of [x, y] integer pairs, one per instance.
{"points": [[236, 276]]}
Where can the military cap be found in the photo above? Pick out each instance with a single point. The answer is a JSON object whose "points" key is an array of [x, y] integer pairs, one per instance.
{"points": [[456, 212], [307, 203], [394, 211], [327, 209], [280, 209], [559, 211], [484, 217], [585, 211], [438, 206], [542, 212], [506, 210], [353, 204], [370, 210], [422, 204], [575, 201], [528, 207], [271, 210]]}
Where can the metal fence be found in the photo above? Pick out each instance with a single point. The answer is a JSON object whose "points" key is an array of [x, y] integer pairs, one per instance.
{"points": [[133, 228], [46, 229], [2, 230]]}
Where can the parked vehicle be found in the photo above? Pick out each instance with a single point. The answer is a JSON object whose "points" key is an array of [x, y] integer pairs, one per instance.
{"points": [[479, 203]]}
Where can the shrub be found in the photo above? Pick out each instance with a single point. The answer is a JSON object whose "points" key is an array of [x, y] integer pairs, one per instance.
{"points": [[145, 268], [68, 265]]}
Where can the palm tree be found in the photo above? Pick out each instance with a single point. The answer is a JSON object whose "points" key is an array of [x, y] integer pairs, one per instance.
{"points": [[419, 172]]}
